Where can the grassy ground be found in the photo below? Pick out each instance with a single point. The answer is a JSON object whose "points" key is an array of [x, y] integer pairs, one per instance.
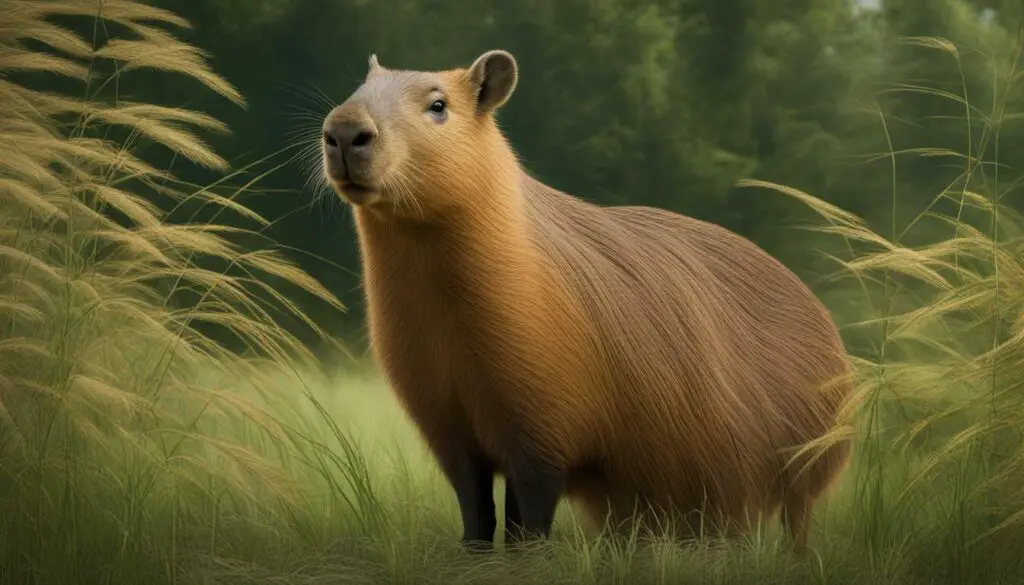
{"points": [[135, 448], [362, 502]]}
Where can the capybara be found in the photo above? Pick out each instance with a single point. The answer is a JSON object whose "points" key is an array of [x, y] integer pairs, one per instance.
{"points": [[647, 365]]}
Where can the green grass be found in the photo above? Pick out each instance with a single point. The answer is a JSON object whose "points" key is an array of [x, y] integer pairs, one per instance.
{"points": [[137, 448]]}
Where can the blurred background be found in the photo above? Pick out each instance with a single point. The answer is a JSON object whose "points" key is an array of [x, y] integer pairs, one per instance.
{"points": [[664, 102]]}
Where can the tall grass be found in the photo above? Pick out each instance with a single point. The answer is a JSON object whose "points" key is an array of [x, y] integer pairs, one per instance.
{"points": [[131, 435], [139, 444], [937, 484]]}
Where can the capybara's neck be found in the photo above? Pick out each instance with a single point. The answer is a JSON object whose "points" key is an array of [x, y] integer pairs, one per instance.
{"points": [[489, 234], [478, 253]]}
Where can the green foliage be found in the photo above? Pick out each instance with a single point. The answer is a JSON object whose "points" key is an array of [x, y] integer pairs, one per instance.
{"points": [[663, 103], [138, 445]]}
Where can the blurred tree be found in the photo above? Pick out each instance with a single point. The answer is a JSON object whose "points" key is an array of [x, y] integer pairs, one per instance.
{"points": [[664, 103]]}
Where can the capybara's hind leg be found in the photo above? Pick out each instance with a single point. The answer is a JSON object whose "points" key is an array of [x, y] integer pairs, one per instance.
{"points": [[807, 489], [796, 516], [537, 489], [513, 519]]}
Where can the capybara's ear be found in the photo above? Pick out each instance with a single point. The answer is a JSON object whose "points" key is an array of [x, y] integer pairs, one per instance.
{"points": [[493, 77], [373, 63]]}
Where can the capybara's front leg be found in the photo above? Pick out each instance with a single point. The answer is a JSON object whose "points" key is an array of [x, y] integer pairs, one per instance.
{"points": [[537, 488], [472, 477]]}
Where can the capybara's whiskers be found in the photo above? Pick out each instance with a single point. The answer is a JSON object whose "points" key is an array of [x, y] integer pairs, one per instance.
{"points": [[405, 194], [312, 93]]}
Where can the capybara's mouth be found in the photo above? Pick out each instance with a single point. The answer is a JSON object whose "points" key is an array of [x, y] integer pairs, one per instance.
{"points": [[355, 193]]}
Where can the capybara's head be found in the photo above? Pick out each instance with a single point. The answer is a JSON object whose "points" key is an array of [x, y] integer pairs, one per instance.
{"points": [[410, 140]]}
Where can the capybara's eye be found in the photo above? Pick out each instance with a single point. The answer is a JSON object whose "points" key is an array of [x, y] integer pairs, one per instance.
{"points": [[438, 106]]}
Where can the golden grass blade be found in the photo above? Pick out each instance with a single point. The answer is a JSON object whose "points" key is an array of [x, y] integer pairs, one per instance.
{"points": [[829, 212], [140, 211], [24, 261], [171, 59], [20, 311], [165, 132], [937, 43], [15, 192], [57, 37], [17, 60]]}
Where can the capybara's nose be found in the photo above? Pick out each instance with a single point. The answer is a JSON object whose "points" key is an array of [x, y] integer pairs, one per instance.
{"points": [[349, 139]]}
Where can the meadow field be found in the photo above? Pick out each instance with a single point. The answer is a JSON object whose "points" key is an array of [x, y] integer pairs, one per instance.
{"points": [[138, 446]]}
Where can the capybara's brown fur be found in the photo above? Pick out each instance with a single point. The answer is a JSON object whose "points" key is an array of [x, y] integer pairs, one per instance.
{"points": [[634, 359]]}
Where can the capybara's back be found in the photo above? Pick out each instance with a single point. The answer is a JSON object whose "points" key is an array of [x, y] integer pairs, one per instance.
{"points": [[719, 364]]}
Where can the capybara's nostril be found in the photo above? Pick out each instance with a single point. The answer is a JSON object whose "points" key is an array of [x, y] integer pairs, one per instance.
{"points": [[362, 139], [349, 136]]}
